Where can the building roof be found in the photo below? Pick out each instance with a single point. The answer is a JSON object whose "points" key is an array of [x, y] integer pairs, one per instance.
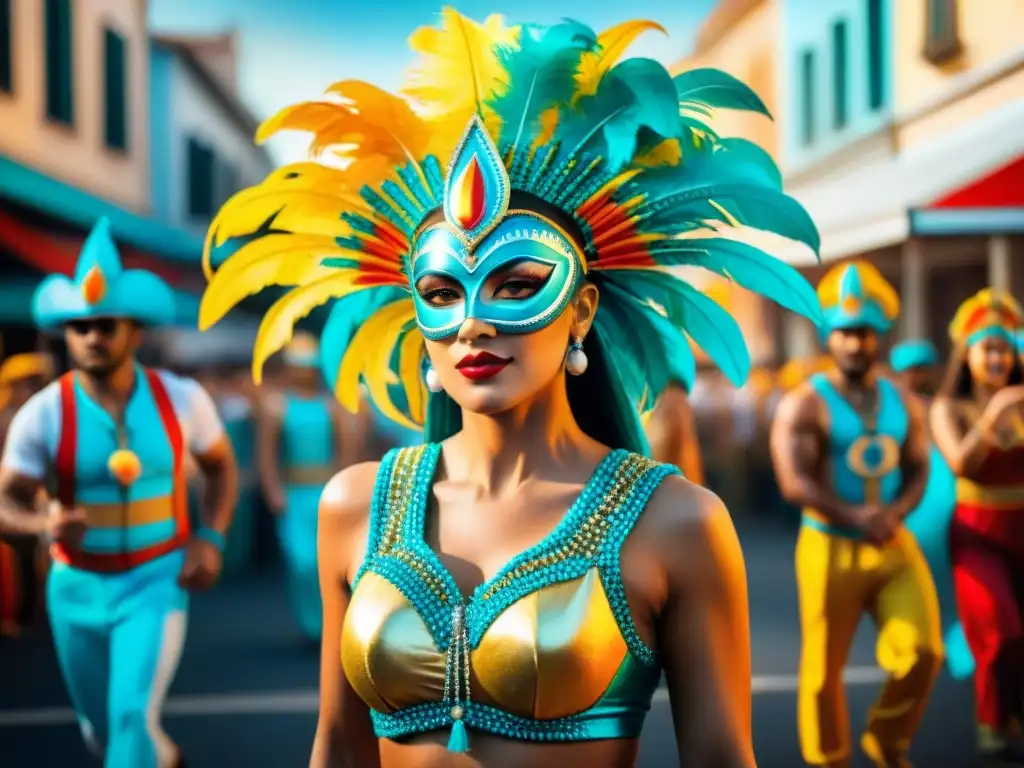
{"points": [[211, 59]]}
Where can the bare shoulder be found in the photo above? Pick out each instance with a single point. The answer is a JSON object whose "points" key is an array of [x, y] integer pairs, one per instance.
{"points": [[799, 406], [346, 499], [689, 526]]}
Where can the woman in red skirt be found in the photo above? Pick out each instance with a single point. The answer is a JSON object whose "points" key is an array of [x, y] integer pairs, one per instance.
{"points": [[978, 425]]}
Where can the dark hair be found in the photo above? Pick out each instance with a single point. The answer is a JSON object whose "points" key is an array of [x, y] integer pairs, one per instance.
{"points": [[957, 382], [598, 400]]}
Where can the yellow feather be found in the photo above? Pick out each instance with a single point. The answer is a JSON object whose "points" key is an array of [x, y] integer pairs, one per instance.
{"points": [[275, 259], [457, 72], [386, 113], [302, 197], [667, 152], [279, 323], [874, 285], [548, 125], [410, 372], [368, 358], [612, 43]]}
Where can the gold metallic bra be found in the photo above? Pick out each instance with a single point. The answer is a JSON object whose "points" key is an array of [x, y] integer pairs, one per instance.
{"points": [[544, 651]]}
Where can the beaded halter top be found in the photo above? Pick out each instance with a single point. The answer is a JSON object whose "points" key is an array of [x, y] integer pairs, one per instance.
{"points": [[546, 650]]}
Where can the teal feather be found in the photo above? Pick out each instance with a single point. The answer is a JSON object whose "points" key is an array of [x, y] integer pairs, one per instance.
{"points": [[653, 105], [602, 116], [747, 266], [717, 89], [742, 185], [710, 326], [541, 74], [752, 156]]}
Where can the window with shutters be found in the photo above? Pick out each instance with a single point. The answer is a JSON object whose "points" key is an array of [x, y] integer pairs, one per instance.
{"points": [[115, 79], [200, 185], [840, 76], [876, 55], [6, 48], [60, 102], [807, 118], [942, 34]]}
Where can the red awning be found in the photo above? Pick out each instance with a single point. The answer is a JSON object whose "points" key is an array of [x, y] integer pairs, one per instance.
{"points": [[58, 254], [1001, 188]]}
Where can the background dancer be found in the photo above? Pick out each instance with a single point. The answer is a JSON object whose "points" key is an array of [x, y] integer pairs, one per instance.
{"points": [[304, 439], [115, 437], [977, 422], [850, 448], [915, 363]]}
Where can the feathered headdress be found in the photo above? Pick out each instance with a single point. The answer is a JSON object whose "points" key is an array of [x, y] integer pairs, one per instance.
{"points": [[987, 313], [621, 148], [856, 295]]}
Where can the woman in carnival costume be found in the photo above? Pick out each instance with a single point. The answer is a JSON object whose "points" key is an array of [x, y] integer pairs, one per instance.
{"points": [[479, 590], [303, 440], [977, 421], [914, 362]]}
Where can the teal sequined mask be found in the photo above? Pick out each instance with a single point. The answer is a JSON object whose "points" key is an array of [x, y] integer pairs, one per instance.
{"points": [[481, 237]]}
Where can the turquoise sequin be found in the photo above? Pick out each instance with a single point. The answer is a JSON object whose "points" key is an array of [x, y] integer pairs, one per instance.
{"points": [[591, 534]]}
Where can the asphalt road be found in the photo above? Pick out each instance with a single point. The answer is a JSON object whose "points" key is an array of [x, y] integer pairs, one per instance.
{"points": [[245, 693]]}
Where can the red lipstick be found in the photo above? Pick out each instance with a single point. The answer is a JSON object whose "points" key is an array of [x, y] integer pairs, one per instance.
{"points": [[481, 366]]}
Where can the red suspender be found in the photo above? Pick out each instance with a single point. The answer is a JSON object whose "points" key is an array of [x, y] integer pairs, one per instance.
{"points": [[172, 427], [66, 448], [68, 441], [66, 470]]}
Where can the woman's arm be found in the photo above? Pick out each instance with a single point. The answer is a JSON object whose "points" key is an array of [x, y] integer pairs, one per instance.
{"points": [[963, 449], [704, 632], [344, 734]]}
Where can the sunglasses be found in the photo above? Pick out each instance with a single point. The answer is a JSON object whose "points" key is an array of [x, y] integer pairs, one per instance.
{"points": [[104, 326]]}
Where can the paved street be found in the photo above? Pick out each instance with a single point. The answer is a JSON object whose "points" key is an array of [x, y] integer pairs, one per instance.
{"points": [[245, 694]]}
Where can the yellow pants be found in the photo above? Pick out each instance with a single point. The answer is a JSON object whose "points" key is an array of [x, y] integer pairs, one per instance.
{"points": [[838, 579]]}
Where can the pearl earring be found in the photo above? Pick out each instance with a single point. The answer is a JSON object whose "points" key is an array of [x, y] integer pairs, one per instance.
{"points": [[433, 380], [576, 361]]}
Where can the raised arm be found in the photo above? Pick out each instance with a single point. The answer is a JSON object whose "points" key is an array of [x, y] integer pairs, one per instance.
{"points": [[797, 448], [344, 734], [704, 633], [965, 447], [914, 460]]}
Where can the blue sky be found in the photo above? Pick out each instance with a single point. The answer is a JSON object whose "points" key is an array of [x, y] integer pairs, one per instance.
{"points": [[292, 55]]}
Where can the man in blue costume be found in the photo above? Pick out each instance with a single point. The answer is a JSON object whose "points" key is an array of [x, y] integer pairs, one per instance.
{"points": [[915, 364], [114, 438], [303, 440]]}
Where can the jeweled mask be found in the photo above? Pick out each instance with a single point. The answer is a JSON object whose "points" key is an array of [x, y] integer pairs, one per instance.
{"points": [[487, 228]]}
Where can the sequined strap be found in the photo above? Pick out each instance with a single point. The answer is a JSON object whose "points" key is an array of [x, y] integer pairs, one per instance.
{"points": [[393, 494]]}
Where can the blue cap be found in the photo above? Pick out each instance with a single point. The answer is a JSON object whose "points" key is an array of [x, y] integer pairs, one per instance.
{"points": [[913, 354], [102, 288]]}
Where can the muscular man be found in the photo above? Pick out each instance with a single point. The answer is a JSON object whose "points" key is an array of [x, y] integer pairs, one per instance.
{"points": [[672, 432], [304, 439], [850, 448], [114, 437]]}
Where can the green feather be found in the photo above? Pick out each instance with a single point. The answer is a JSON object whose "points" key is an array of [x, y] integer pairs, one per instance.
{"points": [[747, 266], [710, 326], [717, 89], [541, 74]]}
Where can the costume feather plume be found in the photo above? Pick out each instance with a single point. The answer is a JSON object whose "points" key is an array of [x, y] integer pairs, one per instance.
{"points": [[620, 146], [459, 70]]}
